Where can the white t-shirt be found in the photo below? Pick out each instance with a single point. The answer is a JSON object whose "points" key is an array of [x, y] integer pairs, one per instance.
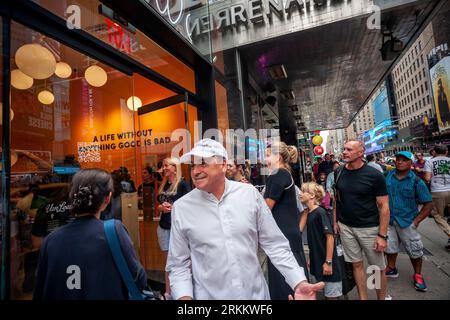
{"points": [[440, 173]]}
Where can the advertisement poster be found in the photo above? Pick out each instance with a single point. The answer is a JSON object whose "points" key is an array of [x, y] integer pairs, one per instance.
{"points": [[440, 78]]}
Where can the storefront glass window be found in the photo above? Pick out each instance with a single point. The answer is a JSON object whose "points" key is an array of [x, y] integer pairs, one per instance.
{"points": [[73, 112], [128, 40]]}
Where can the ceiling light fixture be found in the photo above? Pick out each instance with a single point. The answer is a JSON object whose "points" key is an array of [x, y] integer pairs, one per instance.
{"points": [[46, 97], [35, 61], [96, 76], [1, 114], [20, 80], [63, 70], [134, 103]]}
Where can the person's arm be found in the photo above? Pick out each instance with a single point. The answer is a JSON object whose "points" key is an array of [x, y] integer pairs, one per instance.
{"points": [[303, 219], [425, 198], [328, 269], [330, 181], [275, 187], [137, 271], [179, 261], [383, 207], [334, 220], [277, 248], [427, 169], [424, 212], [270, 203]]}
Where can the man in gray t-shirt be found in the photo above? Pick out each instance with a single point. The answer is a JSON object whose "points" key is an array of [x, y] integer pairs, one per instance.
{"points": [[437, 172]]}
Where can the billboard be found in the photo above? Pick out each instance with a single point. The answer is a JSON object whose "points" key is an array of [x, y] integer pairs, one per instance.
{"points": [[440, 79], [374, 139], [381, 107]]}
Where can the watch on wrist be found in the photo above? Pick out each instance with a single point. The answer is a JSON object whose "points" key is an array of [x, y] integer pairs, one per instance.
{"points": [[383, 237], [328, 262]]}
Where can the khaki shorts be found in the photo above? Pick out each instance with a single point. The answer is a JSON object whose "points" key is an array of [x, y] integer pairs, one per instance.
{"points": [[356, 241]]}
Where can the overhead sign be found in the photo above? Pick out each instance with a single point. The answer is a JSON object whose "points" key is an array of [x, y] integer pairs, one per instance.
{"points": [[237, 22]]}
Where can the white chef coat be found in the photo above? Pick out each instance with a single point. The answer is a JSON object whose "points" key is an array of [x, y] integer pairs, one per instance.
{"points": [[214, 244]]}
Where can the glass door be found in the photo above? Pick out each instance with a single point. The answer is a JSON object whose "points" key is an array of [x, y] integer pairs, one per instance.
{"points": [[166, 129]]}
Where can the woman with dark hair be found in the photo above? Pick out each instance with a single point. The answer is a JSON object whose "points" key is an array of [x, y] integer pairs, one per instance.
{"points": [[75, 261]]}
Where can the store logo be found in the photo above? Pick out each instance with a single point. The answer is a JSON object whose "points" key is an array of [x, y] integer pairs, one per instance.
{"points": [[73, 21], [165, 10], [119, 38]]}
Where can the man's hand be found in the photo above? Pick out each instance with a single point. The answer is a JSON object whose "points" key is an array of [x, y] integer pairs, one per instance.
{"points": [[336, 228], [380, 244], [306, 291], [416, 223]]}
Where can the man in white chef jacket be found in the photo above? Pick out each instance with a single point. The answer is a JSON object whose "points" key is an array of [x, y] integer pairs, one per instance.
{"points": [[216, 229]]}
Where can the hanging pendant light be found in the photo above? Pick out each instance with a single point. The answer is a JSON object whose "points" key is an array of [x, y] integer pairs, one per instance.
{"points": [[11, 115], [134, 103], [20, 80], [96, 76], [35, 61], [63, 70], [46, 97]]}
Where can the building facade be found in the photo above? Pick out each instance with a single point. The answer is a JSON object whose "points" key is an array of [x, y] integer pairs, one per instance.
{"points": [[411, 81]]}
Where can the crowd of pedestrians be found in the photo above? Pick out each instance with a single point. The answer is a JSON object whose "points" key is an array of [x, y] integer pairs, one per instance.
{"points": [[211, 234]]}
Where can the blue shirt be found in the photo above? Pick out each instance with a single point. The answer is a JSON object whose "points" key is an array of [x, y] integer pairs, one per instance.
{"points": [[402, 197]]}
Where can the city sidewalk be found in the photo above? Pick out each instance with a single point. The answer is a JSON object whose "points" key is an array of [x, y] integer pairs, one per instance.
{"points": [[435, 269]]}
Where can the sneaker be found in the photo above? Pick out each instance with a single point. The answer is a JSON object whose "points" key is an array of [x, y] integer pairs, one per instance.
{"points": [[388, 297], [391, 273], [419, 284]]}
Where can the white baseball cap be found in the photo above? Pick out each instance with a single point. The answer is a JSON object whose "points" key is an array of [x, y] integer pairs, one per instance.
{"points": [[205, 148]]}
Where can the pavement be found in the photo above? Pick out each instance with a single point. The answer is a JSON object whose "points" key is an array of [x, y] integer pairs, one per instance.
{"points": [[435, 269]]}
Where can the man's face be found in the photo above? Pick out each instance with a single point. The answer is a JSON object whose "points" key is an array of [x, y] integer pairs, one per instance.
{"points": [[209, 174], [402, 163], [419, 156], [327, 157], [352, 152]]}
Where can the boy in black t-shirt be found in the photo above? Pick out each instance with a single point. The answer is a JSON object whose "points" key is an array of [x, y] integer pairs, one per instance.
{"points": [[323, 260]]}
